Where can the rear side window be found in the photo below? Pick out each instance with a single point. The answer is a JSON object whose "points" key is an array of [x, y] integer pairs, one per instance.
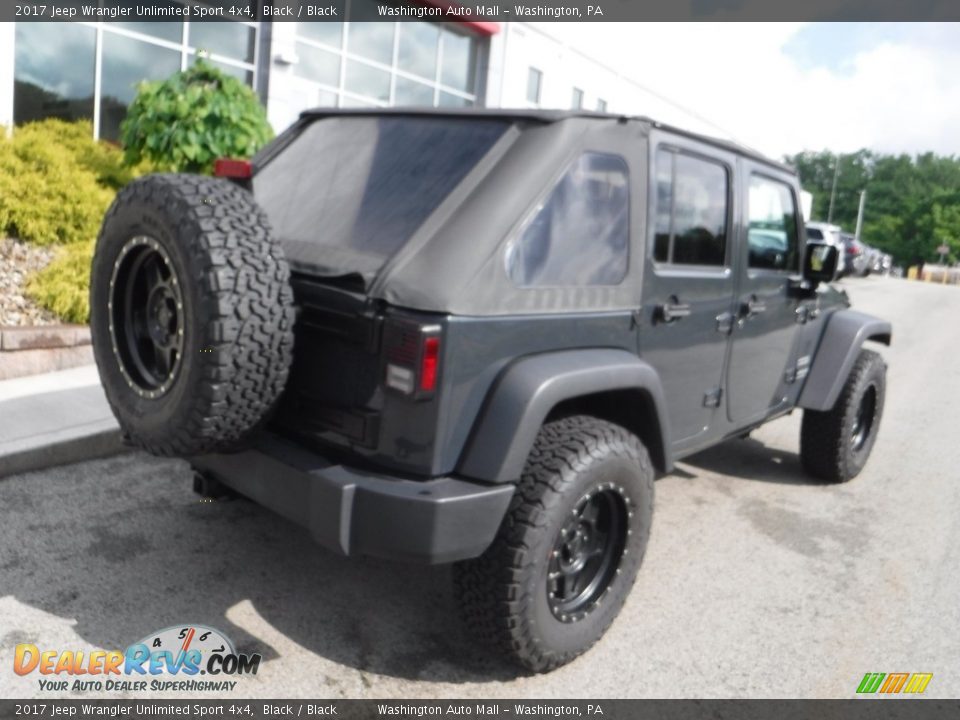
{"points": [[772, 229], [579, 235], [691, 213], [349, 192]]}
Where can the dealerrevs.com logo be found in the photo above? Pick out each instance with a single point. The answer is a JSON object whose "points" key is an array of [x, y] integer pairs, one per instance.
{"points": [[180, 658]]}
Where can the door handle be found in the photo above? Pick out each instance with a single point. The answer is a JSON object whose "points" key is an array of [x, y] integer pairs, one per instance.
{"points": [[752, 307], [673, 310]]}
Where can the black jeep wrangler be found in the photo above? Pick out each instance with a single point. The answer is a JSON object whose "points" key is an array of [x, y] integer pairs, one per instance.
{"points": [[475, 337]]}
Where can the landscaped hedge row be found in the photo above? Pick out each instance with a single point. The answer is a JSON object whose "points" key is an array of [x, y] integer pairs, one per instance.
{"points": [[56, 182]]}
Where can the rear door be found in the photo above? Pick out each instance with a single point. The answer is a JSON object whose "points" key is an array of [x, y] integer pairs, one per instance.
{"points": [[764, 339], [688, 286]]}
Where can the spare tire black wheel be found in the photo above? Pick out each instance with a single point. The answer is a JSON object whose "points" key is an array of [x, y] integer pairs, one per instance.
{"points": [[191, 314]]}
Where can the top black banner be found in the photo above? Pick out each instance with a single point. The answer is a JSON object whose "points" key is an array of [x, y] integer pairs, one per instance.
{"points": [[495, 11]]}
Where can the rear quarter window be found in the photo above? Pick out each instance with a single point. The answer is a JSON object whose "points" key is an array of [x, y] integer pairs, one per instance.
{"points": [[580, 233]]}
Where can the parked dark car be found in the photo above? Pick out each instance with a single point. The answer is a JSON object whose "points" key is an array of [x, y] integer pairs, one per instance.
{"points": [[856, 258], [476, 337]]}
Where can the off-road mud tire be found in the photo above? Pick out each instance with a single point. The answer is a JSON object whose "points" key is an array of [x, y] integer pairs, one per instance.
{"points": [[503, 593], [237, 314], [828, 450]]}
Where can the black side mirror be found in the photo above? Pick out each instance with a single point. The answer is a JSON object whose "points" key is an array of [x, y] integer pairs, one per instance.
{"points": [[820, 263]]}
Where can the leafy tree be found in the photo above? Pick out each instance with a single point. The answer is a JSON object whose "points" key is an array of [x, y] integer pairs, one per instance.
{"points": [[186, 122], [913, 203]]}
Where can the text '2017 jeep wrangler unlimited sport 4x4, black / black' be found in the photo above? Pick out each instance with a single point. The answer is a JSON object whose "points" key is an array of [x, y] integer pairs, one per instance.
{"points": [[475, 337]]}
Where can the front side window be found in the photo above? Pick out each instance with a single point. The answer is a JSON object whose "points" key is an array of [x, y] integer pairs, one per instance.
{"points": [[579, 235], [772, 229], [691, 210]]}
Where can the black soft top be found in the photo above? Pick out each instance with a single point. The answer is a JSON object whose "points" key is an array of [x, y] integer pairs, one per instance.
{"points": [[548, 116]]}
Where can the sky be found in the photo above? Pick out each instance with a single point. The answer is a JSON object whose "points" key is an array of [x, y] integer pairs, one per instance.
{"points": [[786, 87]]}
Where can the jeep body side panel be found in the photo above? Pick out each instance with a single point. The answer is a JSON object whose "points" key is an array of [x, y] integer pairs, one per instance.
{"points": [[844, 335], [532, 386]]}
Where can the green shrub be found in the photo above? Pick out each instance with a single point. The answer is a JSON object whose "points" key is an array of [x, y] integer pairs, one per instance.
{"points": [[186, 122], [49, 183], [64, 285], [103, 159]]}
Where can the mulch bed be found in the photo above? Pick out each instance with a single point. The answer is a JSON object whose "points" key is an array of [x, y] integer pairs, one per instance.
{"points": [[18, 261]]}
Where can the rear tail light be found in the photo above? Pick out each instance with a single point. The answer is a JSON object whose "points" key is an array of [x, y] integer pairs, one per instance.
{"points": [[428, 363], [412, 355], [233, 169]]}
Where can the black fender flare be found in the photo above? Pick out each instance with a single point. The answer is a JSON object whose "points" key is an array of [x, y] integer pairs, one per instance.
{"points": [[844, 335], [530, 387]]}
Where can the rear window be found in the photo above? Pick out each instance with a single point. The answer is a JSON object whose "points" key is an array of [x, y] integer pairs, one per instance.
{"points": [[349, 192], [814, 234]]}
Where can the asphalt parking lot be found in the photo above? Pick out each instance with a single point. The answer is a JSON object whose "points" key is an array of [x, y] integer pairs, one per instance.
{"points": [[757, 582]]}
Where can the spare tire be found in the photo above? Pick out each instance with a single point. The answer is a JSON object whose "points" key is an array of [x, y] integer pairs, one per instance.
{"points": [[191, 314]]}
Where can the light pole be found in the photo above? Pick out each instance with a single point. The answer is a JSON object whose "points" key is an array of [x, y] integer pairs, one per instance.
{"points": [[833, 188]]}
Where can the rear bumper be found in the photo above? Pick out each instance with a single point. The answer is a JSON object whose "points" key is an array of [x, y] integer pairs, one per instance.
{"points": [[354, 512]]}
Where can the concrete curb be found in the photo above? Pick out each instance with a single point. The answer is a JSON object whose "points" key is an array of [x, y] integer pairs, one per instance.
{"points": [[55, 425], [91, 445], [38, 349]]}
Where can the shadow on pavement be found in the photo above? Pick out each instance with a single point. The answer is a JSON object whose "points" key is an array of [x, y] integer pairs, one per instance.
{"points": [[751, 460], [126, 548]]}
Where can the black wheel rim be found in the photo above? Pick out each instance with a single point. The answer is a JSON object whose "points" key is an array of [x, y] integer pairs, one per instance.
{"points": [[146, 317], [863, 420], [586, 556]]}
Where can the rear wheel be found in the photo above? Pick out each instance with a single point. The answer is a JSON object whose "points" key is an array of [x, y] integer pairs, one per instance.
{"points": [[569, 549], [191, 313], [835, 445]]}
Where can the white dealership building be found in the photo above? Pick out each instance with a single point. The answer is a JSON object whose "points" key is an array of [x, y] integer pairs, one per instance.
{"points": [[90, 69]]}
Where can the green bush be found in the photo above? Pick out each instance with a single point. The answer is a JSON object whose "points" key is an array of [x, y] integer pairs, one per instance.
{"points": [[50, 182], [64, 285], [103, 159], [184, 123]]}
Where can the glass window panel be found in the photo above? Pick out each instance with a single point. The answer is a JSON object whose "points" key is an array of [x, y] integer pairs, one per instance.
{"points": [[410, 92], [699, 212], [230, 39], [664, 186], [172, 31], [419, 43], [369, 182], [579, 235], [534, 82], [241, 74], [53, 71], [371, 40], [451, 100], [367, 80], [326, 98], [355, 102], [317, 64], [458, 61], [772, 233], [126, 62], [329, 33]]}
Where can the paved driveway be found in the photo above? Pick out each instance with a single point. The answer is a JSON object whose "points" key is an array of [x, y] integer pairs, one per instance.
{"points": [[757, 581]]}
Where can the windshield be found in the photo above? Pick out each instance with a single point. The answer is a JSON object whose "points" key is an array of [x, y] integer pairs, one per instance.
{"points": [[349, 192]]}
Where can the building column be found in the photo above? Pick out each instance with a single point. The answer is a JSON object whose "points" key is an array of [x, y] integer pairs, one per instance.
{"points": [[7, 35]]}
